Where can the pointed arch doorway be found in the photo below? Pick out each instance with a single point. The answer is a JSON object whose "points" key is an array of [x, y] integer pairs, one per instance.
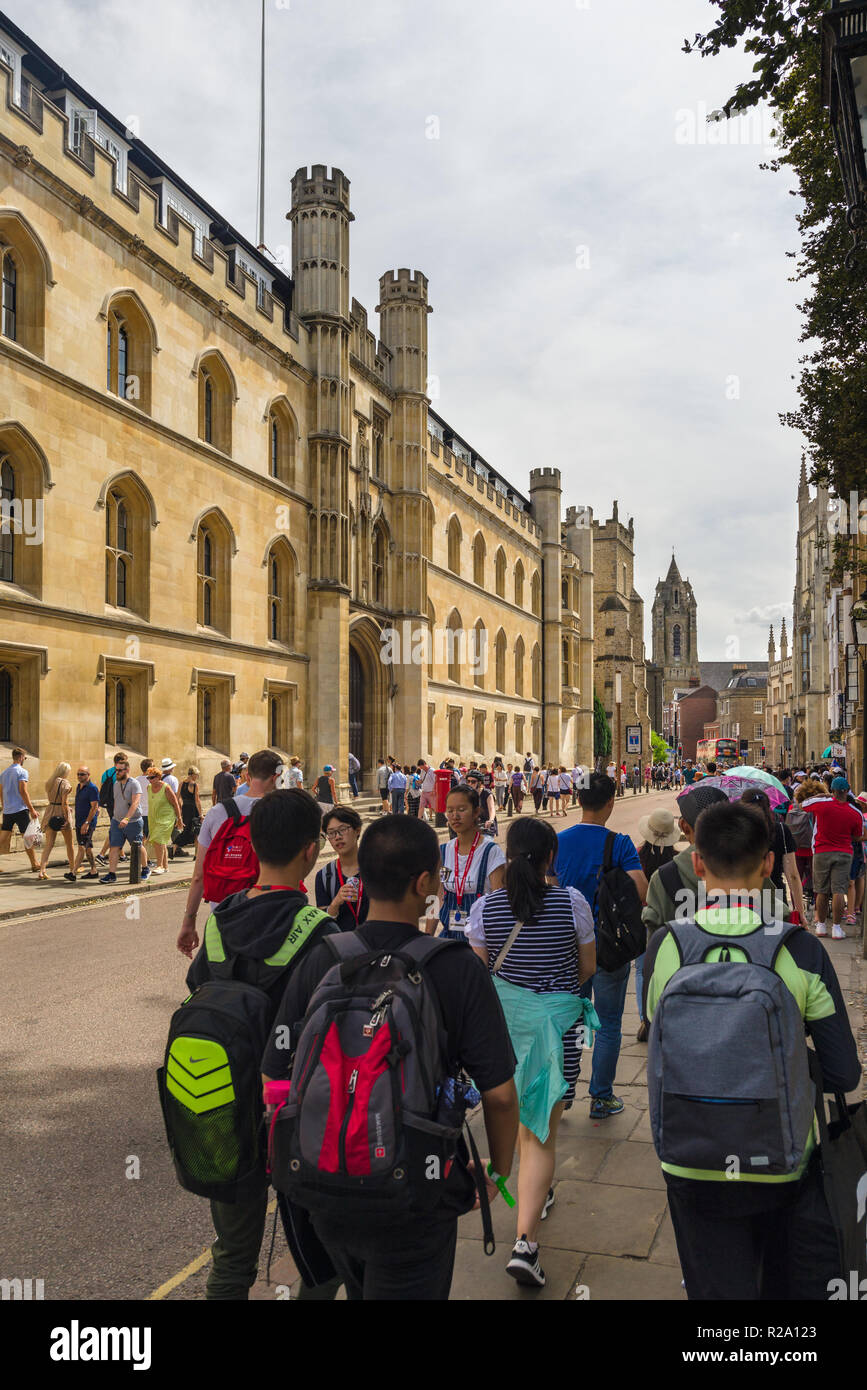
{"points": [[367, 731]]}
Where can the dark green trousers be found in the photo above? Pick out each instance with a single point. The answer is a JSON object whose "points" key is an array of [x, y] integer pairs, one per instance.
{"points": [[240, 1228]]}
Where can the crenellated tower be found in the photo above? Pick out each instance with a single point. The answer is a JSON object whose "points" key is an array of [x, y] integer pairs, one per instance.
{"points": [[545, 494], [320, 218]]}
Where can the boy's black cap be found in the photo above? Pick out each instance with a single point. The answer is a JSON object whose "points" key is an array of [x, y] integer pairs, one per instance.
{"points": [[692, 802]]}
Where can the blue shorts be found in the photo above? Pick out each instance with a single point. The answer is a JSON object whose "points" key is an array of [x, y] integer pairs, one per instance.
{"points": [[554, 793], [118, 834]]}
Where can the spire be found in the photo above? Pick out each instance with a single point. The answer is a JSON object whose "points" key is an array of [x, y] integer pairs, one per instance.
{"points": [[784, 642], [803, 485], [772, 650], [673, 572]]}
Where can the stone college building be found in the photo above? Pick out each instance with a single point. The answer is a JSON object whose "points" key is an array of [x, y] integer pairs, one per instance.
{"points": [[226, 498]]}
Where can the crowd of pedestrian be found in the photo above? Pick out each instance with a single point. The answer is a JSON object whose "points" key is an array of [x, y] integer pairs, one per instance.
{"points": [[546, 973]]}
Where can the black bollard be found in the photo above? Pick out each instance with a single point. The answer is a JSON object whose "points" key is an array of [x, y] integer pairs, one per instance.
{"points": [[135, 863]]}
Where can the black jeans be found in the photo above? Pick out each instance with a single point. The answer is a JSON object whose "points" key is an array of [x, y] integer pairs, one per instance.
{"points": [[788, 1252], [239, 1228], [412, 1263]]}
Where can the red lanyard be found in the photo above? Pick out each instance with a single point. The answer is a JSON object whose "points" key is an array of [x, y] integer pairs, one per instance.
{"points": [[459, 882], [354, 907]]}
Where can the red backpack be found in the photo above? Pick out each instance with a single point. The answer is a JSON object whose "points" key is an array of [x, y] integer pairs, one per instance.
{"points": [[231, 863]]}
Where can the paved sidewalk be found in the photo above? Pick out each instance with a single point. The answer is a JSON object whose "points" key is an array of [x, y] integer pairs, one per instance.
{"points": [[608, 1231]]}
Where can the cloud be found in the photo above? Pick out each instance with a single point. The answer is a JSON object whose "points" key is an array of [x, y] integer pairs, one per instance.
{"points": [[654, 371]]}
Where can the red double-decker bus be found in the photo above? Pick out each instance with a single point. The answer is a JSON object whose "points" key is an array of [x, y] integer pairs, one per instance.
{"points": [[722, 751]]}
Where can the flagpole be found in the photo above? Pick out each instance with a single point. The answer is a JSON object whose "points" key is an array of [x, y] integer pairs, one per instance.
{"points": [[261, 208]]}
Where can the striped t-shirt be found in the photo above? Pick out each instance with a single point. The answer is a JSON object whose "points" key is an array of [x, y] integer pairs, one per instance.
{"points": [[544, 956]]}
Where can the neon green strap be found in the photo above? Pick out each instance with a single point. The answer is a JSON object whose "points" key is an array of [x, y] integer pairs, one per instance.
{"points": [[305, 923], [213, 940]]}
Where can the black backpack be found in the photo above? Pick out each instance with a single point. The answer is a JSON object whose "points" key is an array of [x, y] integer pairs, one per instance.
{"points": [[210, 1085], [371, 1126], [621, 935], [106, 794]]}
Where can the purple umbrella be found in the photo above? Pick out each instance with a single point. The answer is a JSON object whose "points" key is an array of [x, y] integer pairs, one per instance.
{"points": [[734, 788]]}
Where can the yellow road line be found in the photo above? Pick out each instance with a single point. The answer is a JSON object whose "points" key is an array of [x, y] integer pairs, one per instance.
{"points": [[192, 1268]]}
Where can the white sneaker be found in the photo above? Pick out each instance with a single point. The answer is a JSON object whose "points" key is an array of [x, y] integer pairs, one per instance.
{"points": [[821, 929], [837, 933], [158, 871]]}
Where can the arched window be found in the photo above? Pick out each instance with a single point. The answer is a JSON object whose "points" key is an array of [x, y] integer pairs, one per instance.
{"points": [[281, 594], [566, 680], [676, 597], [675, 637], [536, 662], [564, 590], [214, 546], [454, 535], [25, 274], [377, 565], [282, 441], [130, 343], [500, 573], [454, 638], [24, 477], [519, 666], [432, 622], [10, 297], [519, 585], [479, 552], [118, 551], [479, 655], [536, 594], [5, 705], [500, 660], [216, 398], [7, 534]]}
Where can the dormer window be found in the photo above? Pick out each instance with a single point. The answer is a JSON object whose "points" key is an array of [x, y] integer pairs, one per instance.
{"points": [[189, 213], [11, 56], [84, 122]]}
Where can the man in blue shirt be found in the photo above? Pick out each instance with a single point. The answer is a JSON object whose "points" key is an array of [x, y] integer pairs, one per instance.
{"points": [[18, 809], [86, 812], [579, 859]]}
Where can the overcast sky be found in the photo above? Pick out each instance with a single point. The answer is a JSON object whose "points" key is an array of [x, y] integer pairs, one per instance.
{"points": [[608, 275]]}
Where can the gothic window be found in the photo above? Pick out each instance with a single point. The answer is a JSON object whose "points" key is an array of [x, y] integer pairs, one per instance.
{"points": [[213, 549], [216, 396], [536, 594], [564, 593], [500, 660], [116, 710], [566, 680], [519, 585], [24, 275], [454, 537], [118, 551], [281, 594], [519, 666], [500, 573], [282, 440], [378, 565], [675, 637], [10, 297], [7, 534], [479, 552], [454, 632], [537, 672], [480, 654]]}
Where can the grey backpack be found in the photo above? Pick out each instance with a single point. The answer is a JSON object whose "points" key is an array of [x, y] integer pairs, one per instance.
{"points": [[729, 1087]]}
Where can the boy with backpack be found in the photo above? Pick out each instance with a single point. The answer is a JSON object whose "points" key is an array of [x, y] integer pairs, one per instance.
{"points": [[374, 1030], [210, 1086], [225, 860], [731, 1098]]}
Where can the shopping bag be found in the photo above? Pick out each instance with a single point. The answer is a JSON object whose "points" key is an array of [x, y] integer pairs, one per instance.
{"points": [[844, 1171], [33, 836]]}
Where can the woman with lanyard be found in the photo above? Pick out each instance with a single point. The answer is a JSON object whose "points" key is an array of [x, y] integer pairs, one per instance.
{"points": [[472, 864], [338, 888], [538, 942]]}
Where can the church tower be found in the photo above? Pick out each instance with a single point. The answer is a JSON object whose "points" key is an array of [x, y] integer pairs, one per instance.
{"points": [[675, 633]]}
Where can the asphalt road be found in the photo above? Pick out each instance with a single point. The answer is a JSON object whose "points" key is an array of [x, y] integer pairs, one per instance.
{"points": [[85, 1000]]}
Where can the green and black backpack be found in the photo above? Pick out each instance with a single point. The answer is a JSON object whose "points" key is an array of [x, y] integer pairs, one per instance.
{"points": [[210, 1085]]}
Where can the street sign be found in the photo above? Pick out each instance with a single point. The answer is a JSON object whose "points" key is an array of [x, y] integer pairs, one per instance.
{"points": [[633, 739]]}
